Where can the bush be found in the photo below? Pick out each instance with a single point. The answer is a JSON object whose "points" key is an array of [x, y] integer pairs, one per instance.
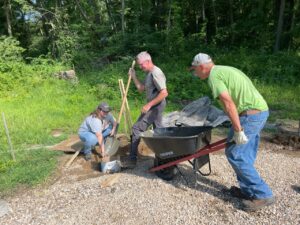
{"points": [[10, 50], [17, 78]]}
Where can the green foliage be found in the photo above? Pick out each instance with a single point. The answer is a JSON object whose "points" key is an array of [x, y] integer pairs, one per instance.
{"points": [[66, 45], [10, 50], [280, 68], [37, 47], [17, 78], [5, 165]]}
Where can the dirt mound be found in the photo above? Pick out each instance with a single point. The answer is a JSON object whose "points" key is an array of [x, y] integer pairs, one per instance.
{"points": [[288, 134]]}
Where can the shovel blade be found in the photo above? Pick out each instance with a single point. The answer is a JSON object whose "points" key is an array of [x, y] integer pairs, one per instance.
{"points": [[111, 146]]}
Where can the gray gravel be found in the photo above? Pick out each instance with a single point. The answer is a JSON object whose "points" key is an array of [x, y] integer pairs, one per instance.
{"points": [[141, 198]]}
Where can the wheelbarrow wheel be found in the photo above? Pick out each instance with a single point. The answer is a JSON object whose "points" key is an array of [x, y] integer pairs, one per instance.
{"points": [[167, 173]]}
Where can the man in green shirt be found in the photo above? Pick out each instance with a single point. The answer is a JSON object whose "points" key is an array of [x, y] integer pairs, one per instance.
{"points": [[248, 112]]}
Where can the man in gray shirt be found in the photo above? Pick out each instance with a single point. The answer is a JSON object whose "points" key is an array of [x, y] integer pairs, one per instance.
{"points": [[151, 113]]}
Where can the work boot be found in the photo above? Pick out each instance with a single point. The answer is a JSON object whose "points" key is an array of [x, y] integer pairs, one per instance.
{"points": [[237, 192], [128, 163], [256, 204], [88, 157]]}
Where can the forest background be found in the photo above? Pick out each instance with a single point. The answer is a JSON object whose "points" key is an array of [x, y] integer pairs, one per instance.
{"points": [[99, 39]]}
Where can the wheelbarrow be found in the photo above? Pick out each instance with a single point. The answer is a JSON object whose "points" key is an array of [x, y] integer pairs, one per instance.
{"points": [[173, 145]]}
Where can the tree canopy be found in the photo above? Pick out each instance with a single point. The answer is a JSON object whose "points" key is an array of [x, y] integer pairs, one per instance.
{"points": [[74, 30]]}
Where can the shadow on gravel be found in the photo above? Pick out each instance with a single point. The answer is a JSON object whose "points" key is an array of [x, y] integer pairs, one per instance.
{"points": [[207, 185], [190, 180], [296, 188]]}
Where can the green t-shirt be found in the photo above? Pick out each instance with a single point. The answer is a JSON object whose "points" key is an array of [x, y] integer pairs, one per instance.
{"points": [[238, 85]]}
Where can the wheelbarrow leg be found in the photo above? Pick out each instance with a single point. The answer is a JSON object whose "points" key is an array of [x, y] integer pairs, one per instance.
{"points": [[198, 167], [181, 174]]}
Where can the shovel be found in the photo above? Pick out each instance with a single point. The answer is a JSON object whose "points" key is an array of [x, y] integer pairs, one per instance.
{"points": [[112, 143]]}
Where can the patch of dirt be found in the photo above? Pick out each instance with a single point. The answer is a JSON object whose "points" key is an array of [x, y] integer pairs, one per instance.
{"points": [[57, 132], [287, 140], [72, 144], [80, 169], [287, 134]]}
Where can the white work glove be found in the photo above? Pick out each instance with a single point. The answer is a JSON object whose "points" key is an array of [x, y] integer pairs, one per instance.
{"points": [[239, 137]]}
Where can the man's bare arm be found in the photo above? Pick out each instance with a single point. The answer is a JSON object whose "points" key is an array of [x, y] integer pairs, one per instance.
{"points": [[138, 84], [161, 96], [231, 110]]}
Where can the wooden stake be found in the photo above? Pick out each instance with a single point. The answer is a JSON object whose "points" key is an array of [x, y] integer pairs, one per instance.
{"points": [[125, 93], [124, 112], [127, 107], [111, 180], [72, 159], [127, 111], [8, 137]]}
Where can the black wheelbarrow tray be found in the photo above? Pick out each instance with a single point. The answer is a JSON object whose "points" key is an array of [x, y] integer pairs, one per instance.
{"points": [[173, 145]]}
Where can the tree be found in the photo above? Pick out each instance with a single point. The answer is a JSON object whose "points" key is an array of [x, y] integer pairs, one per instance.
{"points": [[7, 7], [279, 26]]}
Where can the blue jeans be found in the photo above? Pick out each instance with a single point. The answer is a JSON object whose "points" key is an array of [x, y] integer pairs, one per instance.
{"points": [[106, 132], [242, 157], [90, 139]]}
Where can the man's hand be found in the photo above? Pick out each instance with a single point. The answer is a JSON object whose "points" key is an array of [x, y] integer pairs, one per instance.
{"points": [[146, 108], [239, 137], [132, 73]]}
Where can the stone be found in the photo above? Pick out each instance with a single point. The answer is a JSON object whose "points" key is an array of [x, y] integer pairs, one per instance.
{"points": [[4, 208]]}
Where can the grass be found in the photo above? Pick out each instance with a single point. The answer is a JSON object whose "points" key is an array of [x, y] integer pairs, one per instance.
{"points": [[31, 168], [283, 100], [58, 104]]}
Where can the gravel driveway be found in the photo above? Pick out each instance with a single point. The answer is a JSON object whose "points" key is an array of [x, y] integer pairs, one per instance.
{"points": [[139, 197]]}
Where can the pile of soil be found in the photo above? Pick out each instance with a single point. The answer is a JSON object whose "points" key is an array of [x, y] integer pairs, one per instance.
{"points": [[287, 134]]}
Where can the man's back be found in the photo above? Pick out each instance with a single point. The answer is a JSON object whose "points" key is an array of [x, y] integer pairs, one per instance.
{"points": [[239, 87], [154, 82]]}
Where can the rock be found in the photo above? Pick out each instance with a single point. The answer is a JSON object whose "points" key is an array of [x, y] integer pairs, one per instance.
{"points": [[4, 208], [67, 75]]}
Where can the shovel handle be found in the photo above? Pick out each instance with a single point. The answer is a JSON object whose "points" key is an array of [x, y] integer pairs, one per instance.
{"points": [[125, 94]]}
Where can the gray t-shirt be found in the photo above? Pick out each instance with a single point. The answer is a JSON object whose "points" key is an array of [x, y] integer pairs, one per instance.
{"points": [[109, 119], [91, 124], [154, 82]]}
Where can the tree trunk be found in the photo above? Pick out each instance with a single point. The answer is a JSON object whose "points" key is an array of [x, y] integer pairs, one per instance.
{"points": [[96, 11], [211, 21], [215, 16], [279, 26], [231, 22], [123, 17], [7, 8], [203, 10], [203, 19], [110, 16], [295, 9], [82, 12], [169, 16]]}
